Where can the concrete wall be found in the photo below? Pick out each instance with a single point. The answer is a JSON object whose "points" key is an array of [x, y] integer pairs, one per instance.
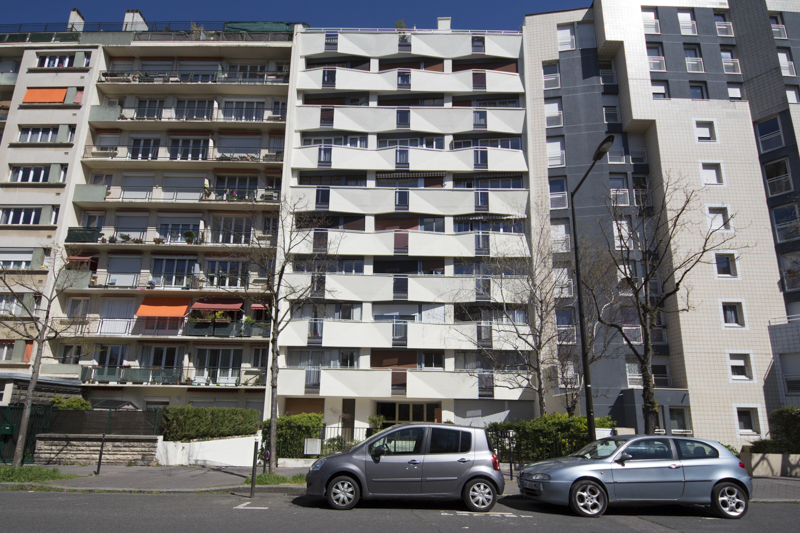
{"points": [[59, 449], [220, 452]]}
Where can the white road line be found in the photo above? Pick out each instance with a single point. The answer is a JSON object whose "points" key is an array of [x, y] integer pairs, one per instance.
{"points": [[245, 507]]}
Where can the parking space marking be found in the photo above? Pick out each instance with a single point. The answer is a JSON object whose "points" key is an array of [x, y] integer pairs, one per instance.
{"points": [[245, 507]]}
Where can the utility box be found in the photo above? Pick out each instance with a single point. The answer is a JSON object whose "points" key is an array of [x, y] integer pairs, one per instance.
{"points": [[312, 447]]}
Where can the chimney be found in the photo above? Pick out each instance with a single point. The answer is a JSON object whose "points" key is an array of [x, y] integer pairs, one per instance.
{"points": [[75, 22], [134, 21], [443, 23]]}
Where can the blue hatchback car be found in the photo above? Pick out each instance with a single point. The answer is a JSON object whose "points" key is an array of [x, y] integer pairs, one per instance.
{"points": [[642, 468]]}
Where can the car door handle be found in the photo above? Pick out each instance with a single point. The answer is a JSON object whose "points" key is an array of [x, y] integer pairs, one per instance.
{"points": [[413, 462], [674, 466], [462, 460]]}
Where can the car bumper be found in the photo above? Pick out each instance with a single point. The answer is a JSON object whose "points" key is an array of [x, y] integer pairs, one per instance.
{"points": [[556, 492], [315, 485]]}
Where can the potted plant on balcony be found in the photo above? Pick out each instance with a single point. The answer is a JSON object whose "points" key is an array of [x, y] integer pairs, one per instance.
{"points": [[189, 236], [233, 196], [158, 240], [111, 240], [124, 237], [137, 240], [222, 317]]}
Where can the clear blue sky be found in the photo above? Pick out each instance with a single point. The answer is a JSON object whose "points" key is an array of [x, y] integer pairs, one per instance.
{"points": [[466, 14]]}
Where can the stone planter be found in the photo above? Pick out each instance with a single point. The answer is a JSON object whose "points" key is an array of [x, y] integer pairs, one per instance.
{"points": [[771, 464]]}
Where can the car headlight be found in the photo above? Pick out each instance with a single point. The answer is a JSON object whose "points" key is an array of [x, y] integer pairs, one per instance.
{"points": [[540, 477], [318, 464]]}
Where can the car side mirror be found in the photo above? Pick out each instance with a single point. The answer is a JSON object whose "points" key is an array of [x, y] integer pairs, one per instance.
{"points": [[624, 457], [378, 451]]}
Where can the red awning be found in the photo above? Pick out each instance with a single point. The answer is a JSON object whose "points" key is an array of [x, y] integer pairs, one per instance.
{"points": [[163, 307], [219, 304], [258, 306]]}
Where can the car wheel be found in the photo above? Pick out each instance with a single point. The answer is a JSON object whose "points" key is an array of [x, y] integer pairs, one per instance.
{"points": [[479, 495], [343, 493], [588, 498], [729, 500]]}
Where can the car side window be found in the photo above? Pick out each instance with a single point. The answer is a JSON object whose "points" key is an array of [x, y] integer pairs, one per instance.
{"points": [[692, 449], [402, 442], [450, 441], [649, 449]]}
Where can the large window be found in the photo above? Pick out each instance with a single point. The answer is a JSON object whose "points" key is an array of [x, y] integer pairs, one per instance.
{"points": [[220, 366], [58, 61], [172, 272], [71, 354], [194, 109], [15, 258], [161, 356], [20, 216], [149, 108], [769, 135], [407, 441], [779, 179], [186, 149], [243, 111], [226, 273], [30, 174], [787, 222], [144, 148], [47, 134]]}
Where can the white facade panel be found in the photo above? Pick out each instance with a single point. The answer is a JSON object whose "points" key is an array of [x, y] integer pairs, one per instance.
{"points": [[512, 203], [441, 44], [439, 384], [441, 289], [337, 333], [441, 336], [365, 383], [368, 44], [292, 381], [368, 201], [442, 201], [360, 243], [429, 244], [359, 288], [500, 45]]}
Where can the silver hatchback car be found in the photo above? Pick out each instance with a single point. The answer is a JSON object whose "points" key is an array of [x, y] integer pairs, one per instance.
{"points": [[440, 461], [642, 468]]}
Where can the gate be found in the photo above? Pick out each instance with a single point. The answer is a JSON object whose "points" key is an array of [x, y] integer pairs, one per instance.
{"points": [[39, 422]]}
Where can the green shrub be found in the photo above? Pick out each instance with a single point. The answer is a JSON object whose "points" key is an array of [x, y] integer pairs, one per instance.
{"points": [[70, 404], [276, 479], [293, 430], [785, 425], [731, 449], [190, 423], [771, 446], [30, 474]]}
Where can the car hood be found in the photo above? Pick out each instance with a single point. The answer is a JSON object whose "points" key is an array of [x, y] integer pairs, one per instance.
{"points": [[554, 464]]}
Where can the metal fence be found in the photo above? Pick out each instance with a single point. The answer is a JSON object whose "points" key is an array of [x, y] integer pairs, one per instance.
{"points": [[529, 448], [39, 422], [292, 439]]}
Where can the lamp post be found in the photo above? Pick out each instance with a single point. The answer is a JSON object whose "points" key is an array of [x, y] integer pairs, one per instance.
{"points": [[601, 150]]}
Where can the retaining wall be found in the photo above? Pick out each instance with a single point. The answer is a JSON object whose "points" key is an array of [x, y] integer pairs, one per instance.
{"points": [[60, 448]]}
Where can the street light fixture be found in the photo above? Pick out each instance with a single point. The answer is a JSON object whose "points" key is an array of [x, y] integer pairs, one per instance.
{"points": [[602, 150]]}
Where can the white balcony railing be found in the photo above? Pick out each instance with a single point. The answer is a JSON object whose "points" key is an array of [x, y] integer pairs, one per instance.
{"points": [[688, 27], [608, 76], [779, 31], [566, 42], [611, 114], [566, 334], [634, 333], [559, 200], [724, 29], [695, 64], [731, 66], [552, 81], [616, 156], [787, 69], [638, 156], [657, 64], [563, 288], [620, 197], [788, 231], [561, 244], [779, 185], [661, 381], [652, 27], [556, 159], [555, 120]]}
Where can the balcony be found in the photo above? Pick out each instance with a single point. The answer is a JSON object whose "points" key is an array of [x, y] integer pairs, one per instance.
{"points": [[561, 244], [724, 29], [190, 114], [620, 197], [695, 64], [165, 235], [8, 78], [198, 77], [552, 81], [555, 120], [556, 159], [787, 68], [660, 381], [566, 334], [161, 327], [779, 31], [731, 66], [559, 200], [194, 154], [638, 156], [657, 63], [652, 27], [616, 156], [688, 27], [779, 185]]}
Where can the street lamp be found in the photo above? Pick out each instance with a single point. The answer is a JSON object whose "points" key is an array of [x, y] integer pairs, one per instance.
{"points": [[601, 150]]}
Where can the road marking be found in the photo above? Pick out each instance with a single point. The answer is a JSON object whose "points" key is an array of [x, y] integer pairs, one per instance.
{"points": [[245, 507]]}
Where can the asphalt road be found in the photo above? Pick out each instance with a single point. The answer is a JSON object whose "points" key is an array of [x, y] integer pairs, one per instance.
{"points": [[33, 512]]}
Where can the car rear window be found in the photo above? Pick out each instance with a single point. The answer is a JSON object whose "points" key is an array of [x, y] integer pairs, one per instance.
{"points": [[692, 449], [450, 441]]}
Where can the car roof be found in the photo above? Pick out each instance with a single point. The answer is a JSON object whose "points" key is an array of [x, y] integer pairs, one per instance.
{"points": [[435, 424], [641, 436]]}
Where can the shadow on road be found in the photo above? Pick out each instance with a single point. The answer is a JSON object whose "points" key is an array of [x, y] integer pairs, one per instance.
{"points": [[520, 503]]}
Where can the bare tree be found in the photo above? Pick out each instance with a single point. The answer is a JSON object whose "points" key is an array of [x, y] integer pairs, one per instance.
{"points": [[298, 235], [653, 249], [32, 297]]}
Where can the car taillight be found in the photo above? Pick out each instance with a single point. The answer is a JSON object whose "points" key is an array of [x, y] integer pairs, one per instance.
{"points": [[495, 462], [741, 465]]}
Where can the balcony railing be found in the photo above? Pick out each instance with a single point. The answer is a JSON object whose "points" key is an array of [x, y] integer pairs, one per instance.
{"points": [[688, 27], [634, 333], [724, 29], [787, 69], [556, 159], [559, 200], [694, 64], [190, 194], [611, 114], [566, 334], [616, 156], [788, 231], [779, 185], [642, 198], [779, 31], [167, 153], [561, 244], [555, 120], [731, 66], [164, 235], [657, 63], [620, 197], [552, 81], [166, 76], [652, 27], [161, 327], [195, 114], [661, 381], [608, 76], [563, 289]]}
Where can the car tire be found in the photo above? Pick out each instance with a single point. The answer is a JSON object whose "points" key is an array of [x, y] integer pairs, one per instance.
{"points": [[343, 493], [587, 498], [479, 495], [729, 500]]}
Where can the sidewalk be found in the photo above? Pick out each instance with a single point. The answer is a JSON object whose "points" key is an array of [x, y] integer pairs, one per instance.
{"points": [[181, 479]]}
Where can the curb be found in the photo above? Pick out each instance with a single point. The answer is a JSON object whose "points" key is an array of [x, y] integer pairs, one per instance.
{"points": [[291, 490]]}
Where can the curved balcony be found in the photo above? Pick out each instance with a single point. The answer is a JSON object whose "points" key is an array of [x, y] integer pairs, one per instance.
{"points": [[409, 158], [161, 376], [136, 118], [464, 81], [159, 328], [157, 155], [122, 82], [422, 119], [153, 237], [102, 195]]}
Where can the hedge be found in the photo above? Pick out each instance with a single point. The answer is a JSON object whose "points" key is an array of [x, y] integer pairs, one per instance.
{"points": [[293, 430], [70, 404], [191, 423], [785, 425]]}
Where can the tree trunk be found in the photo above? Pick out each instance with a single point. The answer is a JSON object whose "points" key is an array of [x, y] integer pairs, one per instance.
{"points": [[19, 451], [649, 405], [540, 391], [273, 406]]}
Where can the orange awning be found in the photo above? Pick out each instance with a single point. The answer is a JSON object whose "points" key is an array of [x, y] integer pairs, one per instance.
{"points": [[45, 96], [163, 307]]}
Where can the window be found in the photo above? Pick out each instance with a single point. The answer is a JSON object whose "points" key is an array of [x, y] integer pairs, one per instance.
{"points": [[186, 149], [623, 234], [724, 28], [718, 219], [226, 273], [559, 230], [618, 189], [552, 76], [779, 180], [769, 135], [54, 215], [726, 265], [403, 79], [243, 110], [650, 19], [406, 441], [705, 131], [231, 229], [692, 449], [478, 44], [660, 90], [566, 38], [793, 95], [56, 61], [740, 367], [429, 360], [16, 258], [649, 450], [479, 119], [555, 152], [435, 224], [778, 28], [655, 55], [559, 199], [62, 174], [450, 441], [77, 307], [611, 109], [790, 266], [172, 272], [10, 305], [586, 36], [735, 91], [20, 215], [144, 148], [607, 74], [733, 315], [712, 173], [687, 23], [565, 326], [790, 368], [748, 421], [694, 61], [6, 351], [71, 354], [787, 222], [698, 90], [47, 134], [149, 109], [30, 174], [785, 61], [730, 65]]}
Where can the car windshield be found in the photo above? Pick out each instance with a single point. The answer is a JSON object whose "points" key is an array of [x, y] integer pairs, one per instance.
{"points": [[599, 449], [372, 438]]}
